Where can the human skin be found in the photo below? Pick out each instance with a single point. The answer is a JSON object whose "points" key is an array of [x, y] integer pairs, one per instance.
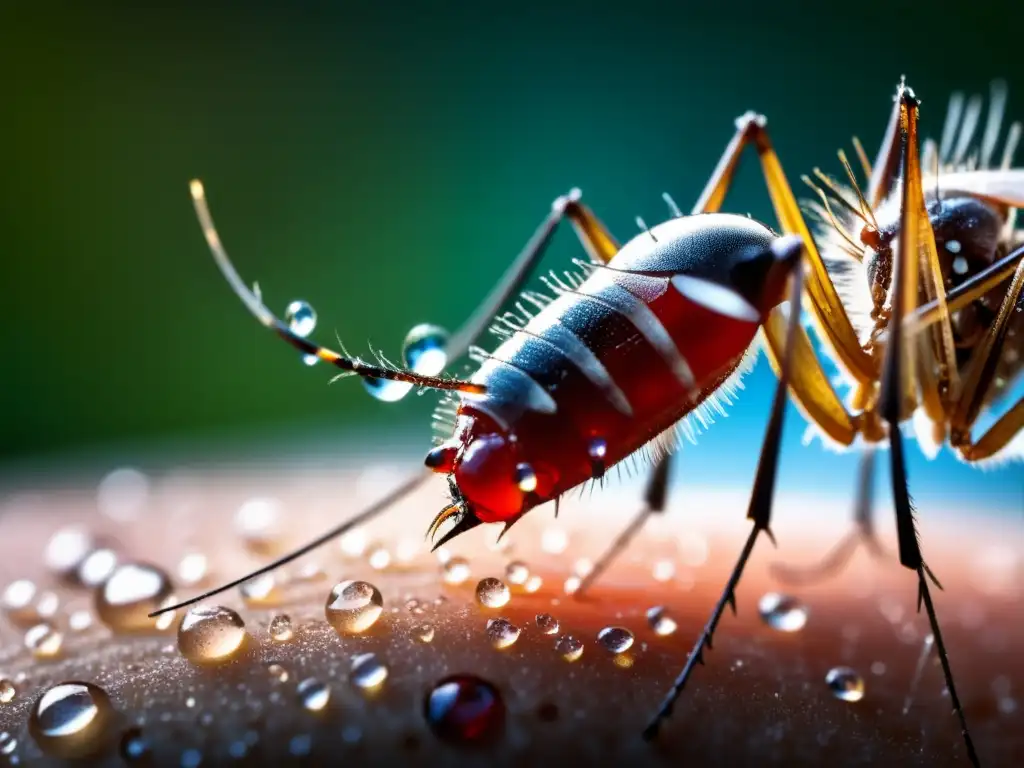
{"points": [[761, 699]]}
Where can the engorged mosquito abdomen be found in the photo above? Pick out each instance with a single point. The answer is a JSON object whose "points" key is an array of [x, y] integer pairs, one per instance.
{"points": [[614, 361]]}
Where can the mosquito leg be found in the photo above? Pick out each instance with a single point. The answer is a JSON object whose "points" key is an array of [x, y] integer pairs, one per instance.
{"points": [[759, 512], [863, 533], [654, 502], [892, 391]]}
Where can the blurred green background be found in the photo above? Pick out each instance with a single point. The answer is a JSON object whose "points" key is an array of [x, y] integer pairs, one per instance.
{"points": [[384, 163]]}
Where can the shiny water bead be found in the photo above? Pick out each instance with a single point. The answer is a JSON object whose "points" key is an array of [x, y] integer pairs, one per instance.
{"points": [[98, 566], [192, 568], [502, 633], [533, 584], [663, 570], [278, 672], [259, 523], [368, 671], [71, 719], [569, 647], [210, 634], [492, 593], [80, 621], [547, 623], [301, 318], [353, 606], [19, 603], [660, 622], [280, 628], [44, 641], [554, 541], [464, 709], [424, 633], [262, 591], [47, 605], [66, 550], [782, 612], [379, 558], [455, 570], [424, 349], [313, 694], [7, 690], [8, 743], [526, 478], [845, 683], [517, 573], [123, 494], [133, 591], [386, 390], [615, 639]]}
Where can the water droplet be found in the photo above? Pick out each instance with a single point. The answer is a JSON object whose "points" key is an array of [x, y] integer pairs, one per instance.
{"points": [[597, 449], [44, 641], [353, 543], [492, 592], [79, 621], [7, 691], [547, 623], [845, 684], [313, 694], [663, 570], [456, 570], [192, 568], [123, 494], [134, 747], [571, 585], [878, 667], [301, 318], [97, 567], [261, 591], [569, 647], [353, 606], [502, 633], [424, 349], [782, 612], [47, 605], [554, 541], [660, 622], [18, 602], [277, 672], [368, 671], [133, 591], [70, 719], [616, 639], [517, 573], [66, 550], [280, 628], [582, 567], [258, 522], [424, 633], [210, 634], [191, 758], [7, 743], [407, 549], [526, 478], [533, 584], [379, 558], [386, 390], [464, 708]]}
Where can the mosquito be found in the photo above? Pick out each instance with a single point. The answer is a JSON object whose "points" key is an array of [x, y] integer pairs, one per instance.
{"points": [[609, 360]]}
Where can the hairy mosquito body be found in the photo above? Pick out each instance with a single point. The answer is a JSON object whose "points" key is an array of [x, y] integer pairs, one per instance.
{"points": [[914, 284]]}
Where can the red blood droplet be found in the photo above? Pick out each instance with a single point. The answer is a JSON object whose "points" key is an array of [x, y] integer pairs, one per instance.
{"points": [[464, 708]]}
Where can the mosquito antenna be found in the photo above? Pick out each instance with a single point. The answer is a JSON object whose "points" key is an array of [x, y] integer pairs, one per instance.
{"points": [[254, 303], [643, 226], [676, 213], [365, 516], [828, 210]]}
